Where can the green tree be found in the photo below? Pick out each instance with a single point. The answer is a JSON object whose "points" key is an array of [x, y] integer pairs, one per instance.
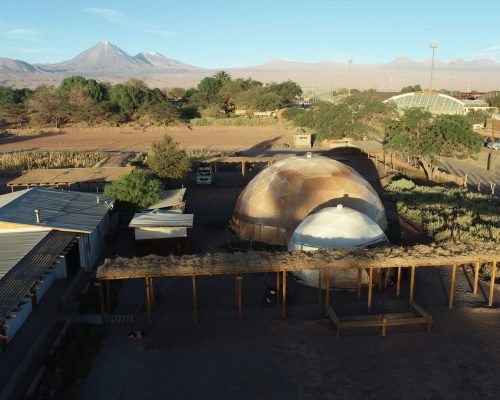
{"points": [[168, 161], [410, 89], [71, 82], [478, 116], [222, 77], [134, 191], [419, 133], [495, 101], [50, 106], [176, 93], [163, 112], [288, 91], [268, 101]]}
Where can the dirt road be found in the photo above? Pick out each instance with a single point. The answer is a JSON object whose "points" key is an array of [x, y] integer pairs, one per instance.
{"points": [[129, 139]]}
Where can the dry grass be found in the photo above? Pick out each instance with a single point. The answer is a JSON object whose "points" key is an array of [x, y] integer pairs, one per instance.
{"points": [[14, 164]]}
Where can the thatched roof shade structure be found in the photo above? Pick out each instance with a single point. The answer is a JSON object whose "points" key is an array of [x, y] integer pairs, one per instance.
{"points": [[255, 262]]}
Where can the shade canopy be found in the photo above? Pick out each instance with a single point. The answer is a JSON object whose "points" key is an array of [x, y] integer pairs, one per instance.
{"points": [[276, 201]]}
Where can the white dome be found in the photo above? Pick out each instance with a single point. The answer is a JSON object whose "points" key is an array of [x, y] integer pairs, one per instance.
{"points": [[275, 202], [335, 228]]}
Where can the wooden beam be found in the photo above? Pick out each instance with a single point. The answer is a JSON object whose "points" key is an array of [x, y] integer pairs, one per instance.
{"points": [[238, 294], [358, 283], [370, 289], [398, 282], [243, 168], [476, 277], [327, 289], [412, 284], [452, 285], [283, 297], [148, 299], [320, 288], [492, 283], [195, 310]]}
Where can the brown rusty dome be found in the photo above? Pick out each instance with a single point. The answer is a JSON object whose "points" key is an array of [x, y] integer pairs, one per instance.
{"points": [[275, 202]]}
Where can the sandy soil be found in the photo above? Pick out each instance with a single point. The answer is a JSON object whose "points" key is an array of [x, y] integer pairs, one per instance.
{"points": [[130, 139]]}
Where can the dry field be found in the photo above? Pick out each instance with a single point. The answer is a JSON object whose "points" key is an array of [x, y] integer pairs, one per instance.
{"points": [[130, 139]]}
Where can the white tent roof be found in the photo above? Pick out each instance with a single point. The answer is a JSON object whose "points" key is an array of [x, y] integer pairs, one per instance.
{"points": [[336, 227]]}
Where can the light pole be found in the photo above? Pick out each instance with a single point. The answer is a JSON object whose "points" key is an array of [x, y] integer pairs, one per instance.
{"points": [[434, 45], [349, 62], [452, 83]]}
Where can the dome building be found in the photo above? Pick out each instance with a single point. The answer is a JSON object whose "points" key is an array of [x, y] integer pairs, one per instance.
{"points": [[335, 228], [276, 201]]}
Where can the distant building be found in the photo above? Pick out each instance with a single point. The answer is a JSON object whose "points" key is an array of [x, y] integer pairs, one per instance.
{"points": [[434, 102]]}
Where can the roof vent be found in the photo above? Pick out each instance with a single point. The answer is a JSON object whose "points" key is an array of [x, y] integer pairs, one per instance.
{"points": [[37, 215], [309, 154]]}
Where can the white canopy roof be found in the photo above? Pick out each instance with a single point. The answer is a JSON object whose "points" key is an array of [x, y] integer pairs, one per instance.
{"points": [[336, 227]]}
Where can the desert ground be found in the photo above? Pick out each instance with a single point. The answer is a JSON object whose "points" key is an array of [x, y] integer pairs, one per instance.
{"points": [[134, 139]]}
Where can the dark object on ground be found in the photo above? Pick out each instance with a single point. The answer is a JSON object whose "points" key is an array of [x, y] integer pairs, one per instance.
{"points": [[136, 333]]}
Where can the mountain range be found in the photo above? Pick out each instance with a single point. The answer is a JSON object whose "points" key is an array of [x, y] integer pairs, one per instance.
{"points": [[105, 61]]}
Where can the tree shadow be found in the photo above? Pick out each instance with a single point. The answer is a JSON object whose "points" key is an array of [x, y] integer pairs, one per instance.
{"points": [[10, 138]]}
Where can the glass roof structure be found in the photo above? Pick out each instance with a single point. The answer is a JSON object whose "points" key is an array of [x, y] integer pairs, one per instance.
{"points": [[436, 103]]}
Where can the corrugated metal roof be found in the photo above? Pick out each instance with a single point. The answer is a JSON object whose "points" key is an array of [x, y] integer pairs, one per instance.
{"points": [[169, 198], [59, 209], [163, 219], [14, 246], [18, 281]]}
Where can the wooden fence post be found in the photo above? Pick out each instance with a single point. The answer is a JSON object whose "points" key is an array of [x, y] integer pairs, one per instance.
{"points": [[412, 284], [492, 283], [370, 289], [452, 285], [476, 277], [398, 283], [195, 308]]}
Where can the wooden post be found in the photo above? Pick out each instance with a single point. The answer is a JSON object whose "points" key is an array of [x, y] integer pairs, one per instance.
{"points": [[327, 288], [492, 282], [358, 283], [243, 168], [384, 326], [412, 284], [108, 298], [238, 294], [278, 285], [320, 288], [283, 296], [151, 290], [476, 277], [370, 289], [148, 299], [398, 283], [103, 306], [195, 310], [385, 165], [452, 285]]}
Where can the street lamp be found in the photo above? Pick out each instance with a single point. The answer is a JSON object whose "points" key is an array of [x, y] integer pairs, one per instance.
{"points": [[349, 62], [434, 45]]}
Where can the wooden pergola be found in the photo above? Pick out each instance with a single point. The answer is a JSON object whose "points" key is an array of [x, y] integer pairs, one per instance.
{"points": [[238, 264]]}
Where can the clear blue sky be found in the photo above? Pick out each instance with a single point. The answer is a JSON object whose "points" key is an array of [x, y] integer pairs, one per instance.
{"points": [[231, 33]]}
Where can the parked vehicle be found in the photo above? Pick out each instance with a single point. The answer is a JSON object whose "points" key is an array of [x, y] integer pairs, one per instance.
{"points": [[494, 145], [204, 176]]}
